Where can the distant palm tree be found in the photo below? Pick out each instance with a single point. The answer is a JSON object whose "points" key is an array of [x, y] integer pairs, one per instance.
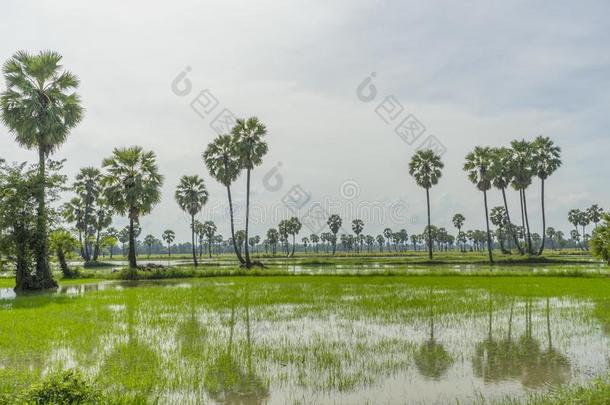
{"points": [[387, 233], [273, 237], [583, 220], [595, 214], [426, 167], [550, 233], [547, 158], [458, 221], [209, 230], [574, 216], [87, 187], [168, 237], [132, 186], [40, 107], [334, 223], [523, 171], [380, 241], [149, 240], [358, 227], [191, 195], [502, 174], [477, 165], [315, 239], [251, 148], [305, 241], [222, 162]]}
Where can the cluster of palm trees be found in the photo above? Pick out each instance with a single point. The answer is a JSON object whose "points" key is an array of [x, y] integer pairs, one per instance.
{"points": [[583, 218]]}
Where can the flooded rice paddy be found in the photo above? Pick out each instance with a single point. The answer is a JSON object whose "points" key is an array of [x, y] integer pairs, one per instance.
{"points": [[304, 339]]}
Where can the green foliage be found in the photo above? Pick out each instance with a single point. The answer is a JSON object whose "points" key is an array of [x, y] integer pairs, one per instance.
{"points": [[67, 387], [600, 242]]}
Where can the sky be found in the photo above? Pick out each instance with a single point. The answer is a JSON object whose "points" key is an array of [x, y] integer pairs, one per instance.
{"points": [[332, 80]]}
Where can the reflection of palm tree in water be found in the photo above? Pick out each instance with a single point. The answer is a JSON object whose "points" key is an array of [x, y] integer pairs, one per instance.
{"points": [[432, 360], [225, 380]]}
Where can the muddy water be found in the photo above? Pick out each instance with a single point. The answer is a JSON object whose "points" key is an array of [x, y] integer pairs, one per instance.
{"points": [[238, 342]]}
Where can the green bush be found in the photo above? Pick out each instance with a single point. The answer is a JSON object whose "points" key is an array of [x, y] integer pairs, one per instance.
{"points": [[66, 387]]}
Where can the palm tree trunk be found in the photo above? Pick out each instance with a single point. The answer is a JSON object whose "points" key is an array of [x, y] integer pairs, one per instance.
{"points": [[169, 250], [237, 252], [491, 258], [193, 241], [133, 264], [429, 225], [522, 216], [513, 232], [96, 251], [293, 244], [248, 263], [543, 219], [44, 277], [527, 224], [210, 247]]}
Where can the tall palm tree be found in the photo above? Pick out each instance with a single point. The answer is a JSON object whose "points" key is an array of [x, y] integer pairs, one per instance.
{"points": [[294, 227], [191, 195], [87, 187], [477, 165], [458, 221], [595, 214], [222, 162], [40, 107], [502, 176], [209, 230], [523, 171], [358, 227], [547, 158], [251, 147], [574, 216], [334, 223], [168, 237], [583, 220], [426, 168], [132, 187]]}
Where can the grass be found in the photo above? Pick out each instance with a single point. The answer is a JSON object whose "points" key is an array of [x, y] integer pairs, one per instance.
{"points": [[251, 338]]}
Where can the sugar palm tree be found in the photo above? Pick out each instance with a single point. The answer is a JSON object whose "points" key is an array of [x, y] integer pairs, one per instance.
{"points": [[380, 241], [40, 107], [477, 165], [523, 170], [168, 237], [315, 239], [209, 230], [426, 168], [87, 187], [149, 241], [334, 223], [358, 227], [458, 221], [502, 174], [574, 216], [595, 214], [223, 163], [132, 187], [251, 147], [191, 195], [294, 227], [387, 233], [583, 220], [547, 158]]}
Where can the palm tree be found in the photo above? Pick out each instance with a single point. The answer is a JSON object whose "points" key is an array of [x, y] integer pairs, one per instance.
{"points": [[600, 242], [595, 214], [222, 162], [523, 171], [149, 240], [477, 165], [251, 148], [458, 221], [209, 230], [380, 241], [198, 227], [132, 187], [40, 107], [425, 167], [551, 233], [315, 239], [547, 158], [583, 220], [191, 196], [574, 216], [502, 174], [387, 233], [87, 187], [334, 223], [358, 227], [273, 237], [168, 237], [497, 215], [294, 227]]}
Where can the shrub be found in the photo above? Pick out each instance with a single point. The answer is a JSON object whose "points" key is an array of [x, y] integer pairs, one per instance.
{"points": [[600, 242], [66, 387]]}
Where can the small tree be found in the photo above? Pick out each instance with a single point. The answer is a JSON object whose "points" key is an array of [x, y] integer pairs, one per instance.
{"points": [[63, 244], [600, 241]]}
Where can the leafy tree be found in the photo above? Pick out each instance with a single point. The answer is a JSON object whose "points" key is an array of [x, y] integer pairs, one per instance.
{"points": [[547, 159], [209, 230], [370, 241], [477, 165], [192, 195], [132, 187], [40, 107], [334, 223], [600, 241], [109, 241], [499, 218], [251, 147], [458, 221], [168, 237], [73, 212], [358, 227], [426, 168], [551, 234], [223, 162], [88, 188]]}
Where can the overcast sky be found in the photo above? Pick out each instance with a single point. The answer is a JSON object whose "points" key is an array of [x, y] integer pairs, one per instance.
{"points": [[472, 73]]}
